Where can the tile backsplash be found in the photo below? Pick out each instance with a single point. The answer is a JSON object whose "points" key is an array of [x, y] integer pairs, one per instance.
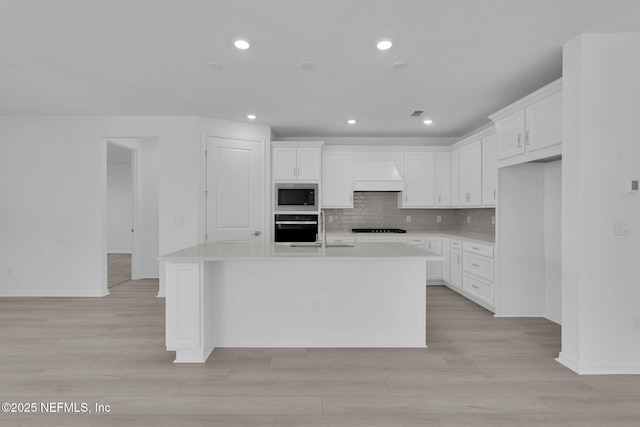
{"points": [[380, 210]]}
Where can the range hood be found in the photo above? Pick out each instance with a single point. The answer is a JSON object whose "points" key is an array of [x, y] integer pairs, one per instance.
{"points": [[377, 175]]}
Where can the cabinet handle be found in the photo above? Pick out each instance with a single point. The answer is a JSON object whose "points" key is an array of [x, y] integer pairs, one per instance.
{"points": [[458, 259], [527, 139], [295, 172], [519, 140], [475, 286], [494, 195], [439, 198], [406, 198], [475, 248], [476, 265]]}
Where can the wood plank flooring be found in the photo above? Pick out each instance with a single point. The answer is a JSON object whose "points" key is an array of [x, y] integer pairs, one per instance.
{"points": [[477, 371]]}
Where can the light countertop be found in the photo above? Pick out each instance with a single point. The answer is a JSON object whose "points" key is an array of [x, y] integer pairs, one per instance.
{"points": [[258, 251], [484, 238]]}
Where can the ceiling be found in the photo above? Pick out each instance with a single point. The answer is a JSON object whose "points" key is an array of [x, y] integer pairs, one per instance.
{"points": [[465, 59]]}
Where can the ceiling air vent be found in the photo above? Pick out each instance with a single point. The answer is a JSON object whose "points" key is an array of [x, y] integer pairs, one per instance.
{"points": [[417, 113]]}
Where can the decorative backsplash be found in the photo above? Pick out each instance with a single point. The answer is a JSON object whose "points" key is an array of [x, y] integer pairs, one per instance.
{"points": [[380, 210]]}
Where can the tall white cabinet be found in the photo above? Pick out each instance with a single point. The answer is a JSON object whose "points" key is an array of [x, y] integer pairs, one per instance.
{"points": [[337, 179]]}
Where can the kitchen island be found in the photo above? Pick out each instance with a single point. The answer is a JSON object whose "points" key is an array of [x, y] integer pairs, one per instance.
{"points": [[238, 294]]}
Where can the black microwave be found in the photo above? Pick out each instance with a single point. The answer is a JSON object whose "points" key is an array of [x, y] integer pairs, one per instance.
{"points": [[296, 197]]}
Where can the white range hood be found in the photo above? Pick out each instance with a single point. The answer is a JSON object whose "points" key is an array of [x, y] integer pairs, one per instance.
{"points": [[378, 174]]}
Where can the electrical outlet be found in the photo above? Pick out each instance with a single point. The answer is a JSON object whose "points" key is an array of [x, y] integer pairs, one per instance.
{"points": [[468, 219], [315, 305], [178, 220], [9, 271], [635, 324], [493, 220], [408, 218], [621, 228], [330, 218], [439, 218]]}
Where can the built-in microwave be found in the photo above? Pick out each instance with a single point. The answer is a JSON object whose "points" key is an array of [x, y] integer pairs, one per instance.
{"points": [[296, 197]]}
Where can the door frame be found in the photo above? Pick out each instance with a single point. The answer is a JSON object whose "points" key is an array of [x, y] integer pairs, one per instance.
{"points": [[265, 154]]}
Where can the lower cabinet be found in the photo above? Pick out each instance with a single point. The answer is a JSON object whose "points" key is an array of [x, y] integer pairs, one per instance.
{"points": [[434, 268], [446, 264], [471, 270], [456, 264], [477, 278]]}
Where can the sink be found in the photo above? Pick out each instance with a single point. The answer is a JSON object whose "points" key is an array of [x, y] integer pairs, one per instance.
{"points": [[318, 245]]}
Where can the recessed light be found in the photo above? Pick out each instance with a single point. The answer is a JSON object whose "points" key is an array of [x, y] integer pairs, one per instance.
{"points": [[251, 116], [428, 122], [241, 44], [351, 121], [384, 44]]}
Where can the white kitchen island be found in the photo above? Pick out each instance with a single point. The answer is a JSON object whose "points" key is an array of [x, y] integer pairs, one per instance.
{"points": [[275, 295]]}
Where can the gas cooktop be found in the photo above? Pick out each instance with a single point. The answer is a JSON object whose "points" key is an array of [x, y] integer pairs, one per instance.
{"points": [[378, 230]]}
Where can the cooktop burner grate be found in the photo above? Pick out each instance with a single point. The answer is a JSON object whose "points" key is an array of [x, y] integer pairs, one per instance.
{"points": [[378, 230]]}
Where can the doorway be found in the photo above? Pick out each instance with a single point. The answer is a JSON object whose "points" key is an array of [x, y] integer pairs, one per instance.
{"points": [[131, 247]]}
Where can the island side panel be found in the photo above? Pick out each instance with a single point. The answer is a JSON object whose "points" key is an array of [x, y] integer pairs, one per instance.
{"points": [[188, 307], [306, 303]]}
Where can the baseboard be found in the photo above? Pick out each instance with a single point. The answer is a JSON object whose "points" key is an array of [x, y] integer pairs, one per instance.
{"points": [[54, 294], [119, 252], [598, 369]]}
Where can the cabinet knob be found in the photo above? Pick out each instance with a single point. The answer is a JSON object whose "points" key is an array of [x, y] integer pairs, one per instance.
{"points": [[527, 138], [519, 140]]}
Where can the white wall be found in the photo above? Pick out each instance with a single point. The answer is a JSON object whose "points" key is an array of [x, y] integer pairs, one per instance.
{"points": [[600, 275], [552, 248], [53, 182], [119, 208]]}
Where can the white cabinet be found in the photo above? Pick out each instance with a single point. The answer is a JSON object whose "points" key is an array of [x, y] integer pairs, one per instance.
{"points": [[294, 161], [455, 177], [456, 264], [434, 268], [446, 264], [419, 182], [443, 178], [339, 238], [378, 238], [337, 179], [489, 170], [478, 268], [471, 174], [531, 126]]}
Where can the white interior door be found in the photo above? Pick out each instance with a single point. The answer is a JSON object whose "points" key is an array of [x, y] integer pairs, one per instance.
{"points": [[234, 200]]}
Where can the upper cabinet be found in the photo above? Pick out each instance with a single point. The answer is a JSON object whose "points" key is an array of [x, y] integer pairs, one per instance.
{"points": [[471, 174], [419, 180], [337, 179], [443, 178], [531, 128], [296, 161], [489, 170]]}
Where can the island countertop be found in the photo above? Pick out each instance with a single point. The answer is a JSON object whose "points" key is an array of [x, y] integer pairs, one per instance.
{"points": [[265, 251]]}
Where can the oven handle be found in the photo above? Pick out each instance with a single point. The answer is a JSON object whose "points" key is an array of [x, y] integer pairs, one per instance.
{"points": [[296, 222]]}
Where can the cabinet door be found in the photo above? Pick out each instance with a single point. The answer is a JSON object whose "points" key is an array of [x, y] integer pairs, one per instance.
{"points": [[510, 131], [434, 268], [455, 177], [456, 268], [284, 163], [443, 178], [489, 170], [419, 182], [337, 179], [446, 264], [309, 160], [544, 123], [471, 174]]}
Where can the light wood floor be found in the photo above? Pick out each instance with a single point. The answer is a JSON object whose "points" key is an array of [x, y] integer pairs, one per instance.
{"points": [[477, 371]]}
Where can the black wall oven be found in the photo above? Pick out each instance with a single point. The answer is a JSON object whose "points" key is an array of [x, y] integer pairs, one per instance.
{"points": [[296, 228]]}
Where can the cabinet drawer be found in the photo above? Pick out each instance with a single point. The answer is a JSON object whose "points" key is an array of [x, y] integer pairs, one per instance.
{"points": [[340, 239], [478, 288], [478, 266], [381, 239], [418, 241], [478, 249], [456, 244]]}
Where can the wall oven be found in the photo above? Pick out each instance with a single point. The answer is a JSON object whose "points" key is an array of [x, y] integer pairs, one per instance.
{"points": [[296, 228], [296, 197]]}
